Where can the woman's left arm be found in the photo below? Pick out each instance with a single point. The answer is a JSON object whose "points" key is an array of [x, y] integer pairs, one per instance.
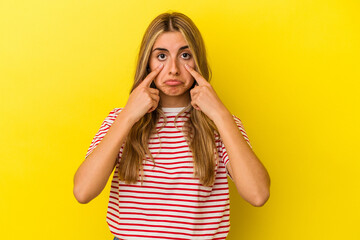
{"points": [[250, 176]]}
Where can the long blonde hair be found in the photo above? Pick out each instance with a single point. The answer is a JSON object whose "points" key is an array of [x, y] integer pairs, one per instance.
{"points": [[199, 130]]}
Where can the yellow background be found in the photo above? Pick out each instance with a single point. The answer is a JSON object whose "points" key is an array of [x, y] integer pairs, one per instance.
{"points": [[288, 69]]}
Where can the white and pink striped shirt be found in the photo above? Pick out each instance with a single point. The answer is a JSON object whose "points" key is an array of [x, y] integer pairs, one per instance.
{"points": [[171, 203]]}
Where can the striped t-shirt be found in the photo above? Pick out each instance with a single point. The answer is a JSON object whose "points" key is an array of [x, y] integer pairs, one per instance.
{"points": [[171, 203]]}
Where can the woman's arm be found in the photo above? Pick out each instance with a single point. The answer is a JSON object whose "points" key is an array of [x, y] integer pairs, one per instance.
{"points": [[250, 176], [93, 174]]}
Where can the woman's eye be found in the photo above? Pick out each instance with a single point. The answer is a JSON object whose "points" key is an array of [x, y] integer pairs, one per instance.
{"points": [[161, 56], [186, 55]]}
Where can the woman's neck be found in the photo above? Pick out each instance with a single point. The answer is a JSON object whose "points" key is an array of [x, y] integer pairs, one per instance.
{"points": [[174, 101]]}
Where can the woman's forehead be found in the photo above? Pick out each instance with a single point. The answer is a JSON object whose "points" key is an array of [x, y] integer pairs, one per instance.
{"points": [[170, 41]]}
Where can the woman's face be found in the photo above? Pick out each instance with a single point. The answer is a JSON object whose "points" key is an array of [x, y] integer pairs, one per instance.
{"points": [[173, 81]]}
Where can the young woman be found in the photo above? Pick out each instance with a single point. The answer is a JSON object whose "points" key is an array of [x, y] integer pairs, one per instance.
{"points": [[172, 146]]}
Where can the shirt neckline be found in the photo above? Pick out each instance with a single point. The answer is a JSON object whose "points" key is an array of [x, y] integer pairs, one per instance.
{"points": [[172, 109]]}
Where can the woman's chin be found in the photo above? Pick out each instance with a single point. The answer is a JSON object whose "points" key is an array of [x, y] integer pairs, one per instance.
{"points": [[173, 92]]}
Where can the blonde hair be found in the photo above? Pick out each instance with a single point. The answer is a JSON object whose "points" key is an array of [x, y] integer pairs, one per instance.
{"points": [[199, 130]]}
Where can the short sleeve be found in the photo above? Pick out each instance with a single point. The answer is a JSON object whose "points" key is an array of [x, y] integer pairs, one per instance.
{"points": [[225, 157], [105, 126]]}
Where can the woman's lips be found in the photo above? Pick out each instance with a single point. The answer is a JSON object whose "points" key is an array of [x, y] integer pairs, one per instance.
{"points": [[172, 82]]}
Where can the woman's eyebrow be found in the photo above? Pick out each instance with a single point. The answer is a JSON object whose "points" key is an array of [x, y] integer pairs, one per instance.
{"points": [[164, 49]]}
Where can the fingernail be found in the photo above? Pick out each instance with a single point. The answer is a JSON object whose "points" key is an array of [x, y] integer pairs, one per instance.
{"points": [[161, 65], [186, 65]]}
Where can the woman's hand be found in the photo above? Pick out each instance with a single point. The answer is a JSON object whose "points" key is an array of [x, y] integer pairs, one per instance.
{"points": [[143, 99], [204, 97]]}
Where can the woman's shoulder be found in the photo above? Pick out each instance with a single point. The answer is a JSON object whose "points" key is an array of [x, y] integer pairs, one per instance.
{"points": [[117, 110], [113, 114]]}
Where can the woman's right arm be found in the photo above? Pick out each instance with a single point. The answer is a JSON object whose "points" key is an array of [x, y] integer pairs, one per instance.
{"points": [[93, 174]]}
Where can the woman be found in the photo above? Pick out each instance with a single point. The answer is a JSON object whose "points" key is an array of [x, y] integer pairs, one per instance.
{"points": [[172, 146]]}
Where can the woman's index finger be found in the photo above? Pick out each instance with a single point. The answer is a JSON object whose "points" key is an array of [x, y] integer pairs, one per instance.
{"points": [[199, 79], [150, 77]]}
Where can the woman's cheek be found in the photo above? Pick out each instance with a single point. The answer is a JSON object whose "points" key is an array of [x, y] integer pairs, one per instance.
{"points": [[191, 63], [158, 77], [153, 63], [152, 66]]}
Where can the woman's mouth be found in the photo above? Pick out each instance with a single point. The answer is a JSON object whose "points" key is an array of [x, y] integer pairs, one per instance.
{"points": [[172, 82]]}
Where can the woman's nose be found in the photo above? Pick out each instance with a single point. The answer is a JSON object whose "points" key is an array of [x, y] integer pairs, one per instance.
{"points": [[174, 67]]}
